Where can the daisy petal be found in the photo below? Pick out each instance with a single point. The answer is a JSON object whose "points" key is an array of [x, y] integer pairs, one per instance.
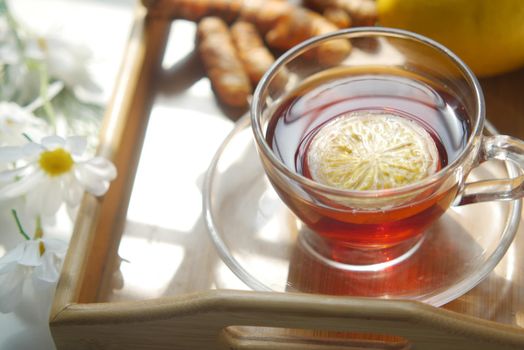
{"points": [[43, 292], [11, 286], [102, 168], [21, 186], [52, 142], [13, 153], [12, 175], [10, 154], [31, 150], [38, 295], [31, 256], [56, 246], [9, 268], [96, 187], [74, 191], [53, 197], [76, 145], [49, 270], [11, 256], [91, 181], [46, 198]]}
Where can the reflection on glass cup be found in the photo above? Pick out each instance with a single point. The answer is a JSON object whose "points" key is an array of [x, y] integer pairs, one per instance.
{"points": [[370, 150]]}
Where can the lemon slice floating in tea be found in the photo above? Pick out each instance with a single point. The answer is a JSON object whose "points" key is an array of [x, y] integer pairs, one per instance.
{"points": [[371, 151]]}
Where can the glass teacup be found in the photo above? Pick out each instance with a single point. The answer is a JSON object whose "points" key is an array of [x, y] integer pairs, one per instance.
{"points": [[426, 95]]}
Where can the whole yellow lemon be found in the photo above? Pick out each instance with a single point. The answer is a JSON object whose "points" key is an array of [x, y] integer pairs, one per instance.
{"points": [[487, 34]]}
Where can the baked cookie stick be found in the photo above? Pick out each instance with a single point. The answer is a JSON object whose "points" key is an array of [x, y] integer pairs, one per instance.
{"points": [[251, 49], [221, 62]]}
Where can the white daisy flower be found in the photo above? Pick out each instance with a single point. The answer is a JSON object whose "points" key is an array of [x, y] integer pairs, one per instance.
{"points": [[39, 259], [54, 171], [15, 121], [66, 61]]}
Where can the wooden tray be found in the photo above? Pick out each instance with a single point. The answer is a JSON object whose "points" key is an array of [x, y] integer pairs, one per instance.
{"points": [[203, 305]]}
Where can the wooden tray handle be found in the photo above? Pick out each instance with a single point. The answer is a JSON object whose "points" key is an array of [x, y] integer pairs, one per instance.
{"points": [[218, 319]]}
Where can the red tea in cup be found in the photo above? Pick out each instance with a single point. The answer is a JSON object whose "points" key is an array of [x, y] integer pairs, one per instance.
{"points": [[335, 101]]}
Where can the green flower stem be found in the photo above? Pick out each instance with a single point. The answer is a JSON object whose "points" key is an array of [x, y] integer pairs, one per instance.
{"points": [[20, 228]]}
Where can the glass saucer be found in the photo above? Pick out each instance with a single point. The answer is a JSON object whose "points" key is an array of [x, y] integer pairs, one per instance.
{"points": [[262, 242]]}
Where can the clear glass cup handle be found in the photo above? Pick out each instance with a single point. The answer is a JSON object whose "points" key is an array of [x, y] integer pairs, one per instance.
{"points": [[499, 147]]}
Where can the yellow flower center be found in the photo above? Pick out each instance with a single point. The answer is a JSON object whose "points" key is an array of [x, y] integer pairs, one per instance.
{"points": [[56, 162], [41, 248]]}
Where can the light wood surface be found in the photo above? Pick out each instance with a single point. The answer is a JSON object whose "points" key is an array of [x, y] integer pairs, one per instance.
{"points": [[193, 312]]}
